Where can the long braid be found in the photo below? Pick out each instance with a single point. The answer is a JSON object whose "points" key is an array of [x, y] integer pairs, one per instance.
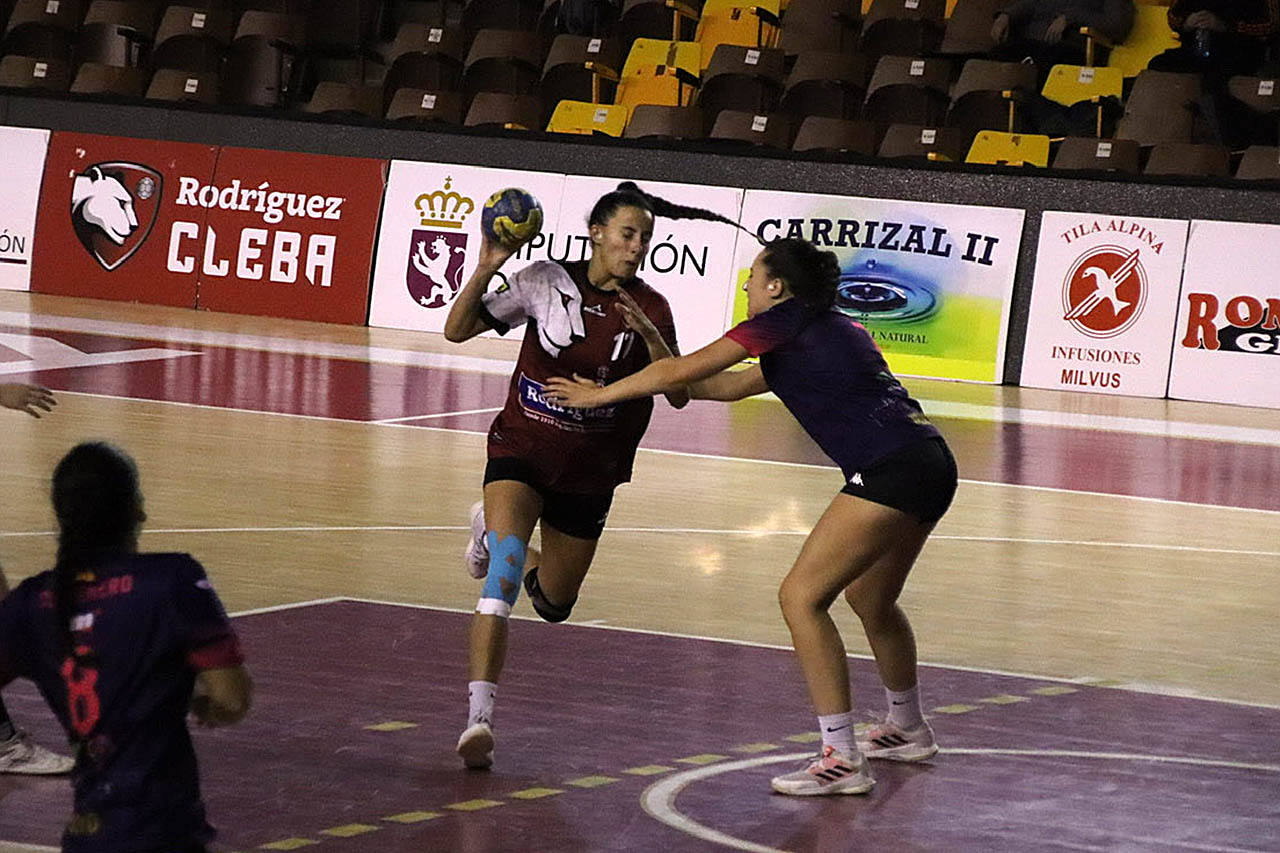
{"points": [[628, 193]]}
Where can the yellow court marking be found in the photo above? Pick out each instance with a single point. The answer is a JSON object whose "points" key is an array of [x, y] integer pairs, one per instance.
{"points": [[413, 817], [288, 844], [391, 726], [591, 781], [807, 737], [955, 709], [1054, 690], [535, 793], [705, 758], [1004, 699], [755, 747], [648, 770], [351, 830], [473, 805]]}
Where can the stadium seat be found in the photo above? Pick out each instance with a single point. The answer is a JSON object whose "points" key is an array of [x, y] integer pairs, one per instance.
{"points": [[659, 72], [423, 56], [420, 106], [1161, 107], [986, 95], [747, 79], [823, 83], [676, 20], [902, 28], [193, 38], [43, 30], [1260, 111], [820, 25], [968, 28], [820, 133], [945, 144], [737, 22], [94, 78], [116, 33], [345, 100], [496, 111], [581, 68], [501, 15], [1078, 153], [736, 126], [1149, 37], [504, 61], [907, 90], [175, 84], [1069, 85], [587, 118], [260, 64], [340, 27], [652, 121], [1259, 163], [26, 72], [1188, 159], [995, 148], [442, 14]]}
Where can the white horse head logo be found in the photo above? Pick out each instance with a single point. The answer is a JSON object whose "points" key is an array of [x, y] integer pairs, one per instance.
{"points": [[104, 203]]}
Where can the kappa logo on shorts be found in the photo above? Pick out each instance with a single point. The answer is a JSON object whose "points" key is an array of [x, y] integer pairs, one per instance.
{"points": [[113, 209], [856, 479]]}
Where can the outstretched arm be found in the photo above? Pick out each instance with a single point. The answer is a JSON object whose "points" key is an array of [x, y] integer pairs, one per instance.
{"points": [[659, 377], [464, 322], [730, 385], [640, 323]]}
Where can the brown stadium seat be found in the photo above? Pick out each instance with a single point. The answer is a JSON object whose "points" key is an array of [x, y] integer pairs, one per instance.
{"points": [[1189, 159], [260, 64], [419, 106], [193, 38], [902, 28], [651, 121], [768, 131], [434, 13], [819, 133], [1161, 107], [746, 79], [674, 20], [501, 15], [504, 61], [581, 68], [345, 100], [987, 94], [1260, 113], [116, 32], [38, 28], [495, 110], [28, 72], [93, 78], [830, 25], [1259, 163], [968, 30], [425, 57], [174, 84], [1077, 153], [926, 143], [823, 83], [907, 90]]}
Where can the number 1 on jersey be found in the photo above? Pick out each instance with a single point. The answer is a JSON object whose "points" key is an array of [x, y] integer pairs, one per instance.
{"points": [[622, 343]]}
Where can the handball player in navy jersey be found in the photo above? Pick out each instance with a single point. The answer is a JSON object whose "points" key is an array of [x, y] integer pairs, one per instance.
{"points": [[123, 646], [899, 480], [549, 466]]}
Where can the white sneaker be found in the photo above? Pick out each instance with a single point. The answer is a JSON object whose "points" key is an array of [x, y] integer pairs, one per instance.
{"points": [[477, 554], [19, 754], [829, 773], [476, 746], [887, 741]]}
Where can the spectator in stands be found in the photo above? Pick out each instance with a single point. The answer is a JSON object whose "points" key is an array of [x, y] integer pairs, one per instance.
{"points": [[1048, 31]]}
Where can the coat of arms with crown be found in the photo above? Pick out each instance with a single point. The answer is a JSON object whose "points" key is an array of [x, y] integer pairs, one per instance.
{"points": [[437, 250]]}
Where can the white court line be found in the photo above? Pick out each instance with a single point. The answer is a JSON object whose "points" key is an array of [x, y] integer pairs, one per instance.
{"points": [[438, 415], [998, 412], [293, 605], [659, 799], [14, 847]]}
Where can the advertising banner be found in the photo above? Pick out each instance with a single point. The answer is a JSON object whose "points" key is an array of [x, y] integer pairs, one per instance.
{"points": [[1226, 347], [931, 282], [284, 234], [24, 153], [690, 260], [108, 209], [1104, 304], [430, 236]]}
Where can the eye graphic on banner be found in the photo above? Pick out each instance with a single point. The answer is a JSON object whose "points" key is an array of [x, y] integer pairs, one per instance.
{"points": [[113, 209], [1105, 291], [438, 250]]}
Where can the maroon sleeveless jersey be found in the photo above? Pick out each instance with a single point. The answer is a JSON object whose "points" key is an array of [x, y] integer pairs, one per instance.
{"points": [[573, 327]]}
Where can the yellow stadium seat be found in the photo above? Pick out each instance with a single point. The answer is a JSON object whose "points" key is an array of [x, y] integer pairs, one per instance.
{"points": [[587, 118], [737, 22], [664, 73], [1071, 84], [1013, 149], [1149, 37], [647, 54]]}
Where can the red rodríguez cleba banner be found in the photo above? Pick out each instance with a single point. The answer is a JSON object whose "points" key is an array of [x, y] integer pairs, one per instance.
{"points": [[281, 234]]}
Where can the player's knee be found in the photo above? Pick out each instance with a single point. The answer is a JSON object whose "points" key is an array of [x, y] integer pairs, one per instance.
{"points": [[543, 606], [502, 584]]}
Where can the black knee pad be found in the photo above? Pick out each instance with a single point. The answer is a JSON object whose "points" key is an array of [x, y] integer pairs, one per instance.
{"points": [[541, 605]]}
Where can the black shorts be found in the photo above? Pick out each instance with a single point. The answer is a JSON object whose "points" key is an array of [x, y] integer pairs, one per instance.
{"points": [[919, 479], [579, 515]]}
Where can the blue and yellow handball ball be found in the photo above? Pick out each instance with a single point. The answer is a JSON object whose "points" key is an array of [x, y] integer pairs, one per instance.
{"points": [[511, 217]]}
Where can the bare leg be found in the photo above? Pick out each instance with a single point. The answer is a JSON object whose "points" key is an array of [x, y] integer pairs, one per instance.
{"points": [[511, 508], [874, 595]]}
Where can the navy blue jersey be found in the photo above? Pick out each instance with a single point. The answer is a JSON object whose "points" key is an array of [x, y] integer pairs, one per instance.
{"points": [[143, 626], [830, 374]]}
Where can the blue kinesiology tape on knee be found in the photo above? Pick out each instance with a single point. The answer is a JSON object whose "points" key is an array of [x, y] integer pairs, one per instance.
{"points": [[506, 567]]}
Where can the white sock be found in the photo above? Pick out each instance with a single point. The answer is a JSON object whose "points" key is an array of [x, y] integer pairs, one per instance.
{"points": [[481, 695], [837, 731], [904, 708]]}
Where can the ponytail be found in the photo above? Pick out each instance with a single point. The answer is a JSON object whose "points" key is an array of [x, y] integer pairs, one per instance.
{"points": [[629, 195]]}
